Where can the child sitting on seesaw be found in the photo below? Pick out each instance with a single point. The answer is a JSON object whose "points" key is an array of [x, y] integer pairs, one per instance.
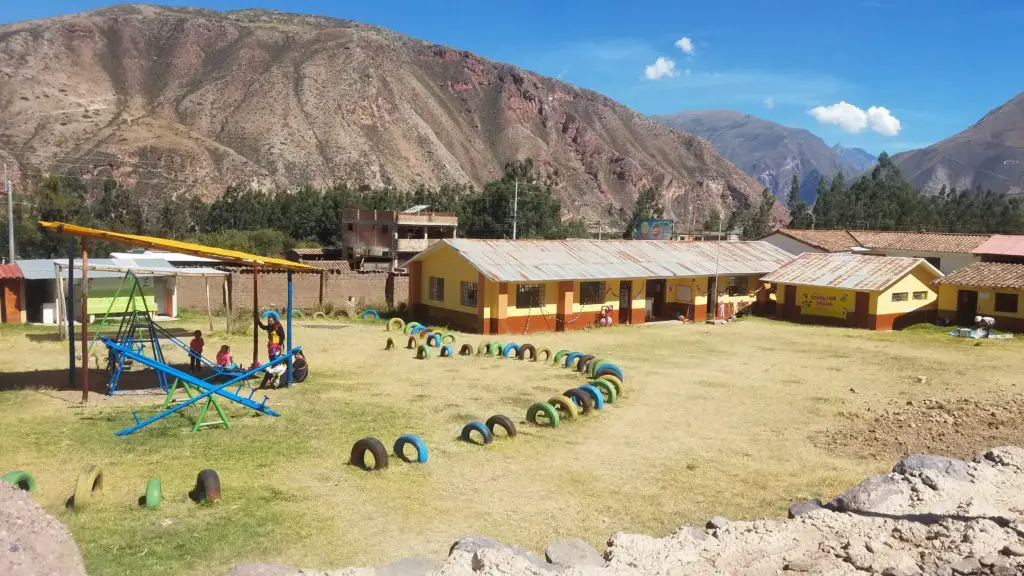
{"points": [[224, 359]]}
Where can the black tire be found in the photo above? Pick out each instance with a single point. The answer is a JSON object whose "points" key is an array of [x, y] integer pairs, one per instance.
{"points": [[466, 350], [390, 344], [527, 348], [412, 343], [581, 399], [503, 421], [300, 369], [207, 487], [581, 364], [374, 447]]}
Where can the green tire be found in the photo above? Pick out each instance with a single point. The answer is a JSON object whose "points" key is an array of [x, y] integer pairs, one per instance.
{"points": [[496, 349], [396, 324], [445, 339], [21, 479], [607, 388], [423, 352], [153, 493], [614, 381], [559, 355], [566, 408], [409, 327], [547, 409], [90, 480], [593, 365], [298, 314]]}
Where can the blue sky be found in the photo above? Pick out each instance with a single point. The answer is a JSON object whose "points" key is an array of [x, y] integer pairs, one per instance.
{"points": [[911, 72]]}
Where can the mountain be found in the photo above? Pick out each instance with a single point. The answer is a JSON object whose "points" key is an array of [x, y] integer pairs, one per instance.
{"points": [[858, 159], [989, 154], [770, 152], [173, 99]]}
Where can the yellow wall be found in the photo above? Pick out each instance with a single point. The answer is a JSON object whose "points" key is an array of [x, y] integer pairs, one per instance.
{"points": [[698, 290], [829, 302], [917, 281], [986, 305], [611, 295], [549, 300], [446, 263]]}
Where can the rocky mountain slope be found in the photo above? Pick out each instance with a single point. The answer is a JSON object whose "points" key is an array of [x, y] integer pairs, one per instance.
{"points": [[175, 99], [856, 158], [770, 152], [989, 154]]}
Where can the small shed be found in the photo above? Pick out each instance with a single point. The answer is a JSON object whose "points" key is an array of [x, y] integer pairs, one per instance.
{"points": [[856, 291], [993, 289], [12, 294]]}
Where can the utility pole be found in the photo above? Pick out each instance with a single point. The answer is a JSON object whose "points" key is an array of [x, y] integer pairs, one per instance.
{"points": [[10, 215], [515, 210]]}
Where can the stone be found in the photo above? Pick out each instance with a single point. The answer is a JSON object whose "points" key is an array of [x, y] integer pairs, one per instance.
{"points": [[717, 523], [572, 552], [1013, 549], [409, 567], [922, 379], [799, 566], [859, 558], [875, 546], [474, 543], [897, 571], [968, 565], [989, 559], [871, 495], [1004, 570], [803, 507], [951, 467]]}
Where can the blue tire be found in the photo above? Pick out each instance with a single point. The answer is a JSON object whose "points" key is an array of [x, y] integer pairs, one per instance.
{"points": [[371, 313], [569, 359], [416, 330], [270, 313], [434, 340], [446, 352], [417, 442], [609, 369], [479, 427], [507, 348], [595, 394]]}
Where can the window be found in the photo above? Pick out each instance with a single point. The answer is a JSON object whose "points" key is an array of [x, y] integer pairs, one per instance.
{"points": [[529, 295], [920, 295], [591, 292], [934, 261], [899, 296], [468, 294], [1006, 303], [437, 289], [738, 286], [349, 227]]}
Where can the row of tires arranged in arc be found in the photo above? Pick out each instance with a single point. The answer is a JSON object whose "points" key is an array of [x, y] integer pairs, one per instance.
{"points": [[605, 385], [376, 449], [90, 481]]}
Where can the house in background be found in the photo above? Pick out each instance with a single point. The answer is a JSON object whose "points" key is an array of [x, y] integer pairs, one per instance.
{"points": [[1001, 248], [386, 239], [947, 252], [797, 241], [12, 294], [992, 289]]}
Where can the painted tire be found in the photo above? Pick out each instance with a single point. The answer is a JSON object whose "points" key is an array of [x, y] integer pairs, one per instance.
{"points": [[594, 365], [270, 313], [559, 356], [298, 314], [416, 330], [614, 381], [434, 340], [609, 368], [390, 344], [375, 448], [607, 388], [582, 400], [498, 348], [503, 421], [494, 348], [152, 500], [510, 348], [20, 479], [478, 426], [319, 316], [422, 352], [595, 395], [527, 348], [415, 441], [396, 324], [448, 339], [369, 313], [583, 362], [566, 409], [545, 352], [466, 350], [571, 358], [547, 409], [482, 349], [412, 343], [446, 352], [90, 480], [410, 327]]}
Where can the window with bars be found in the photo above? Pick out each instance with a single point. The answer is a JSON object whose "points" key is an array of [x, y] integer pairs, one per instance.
{"points": [[529, 295], [468, 294], [899, 296], [1006, 303], [591, 293], [437, 289], [920, 295]]}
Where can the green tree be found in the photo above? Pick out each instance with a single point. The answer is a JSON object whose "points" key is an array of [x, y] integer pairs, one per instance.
{"points": [[794, 192], [800, 216], [714, 221], [648, 205], [760, 225]]}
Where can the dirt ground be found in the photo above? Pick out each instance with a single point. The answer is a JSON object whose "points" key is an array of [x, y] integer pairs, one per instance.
{"points": [[736, 420]]}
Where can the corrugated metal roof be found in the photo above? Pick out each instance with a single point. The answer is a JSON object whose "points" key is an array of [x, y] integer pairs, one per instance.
{"points": [[850, 271], [1002, 245], [548, 260], [919, 241], [43, 269], [827, 240], [10, 272], [987, 275]]}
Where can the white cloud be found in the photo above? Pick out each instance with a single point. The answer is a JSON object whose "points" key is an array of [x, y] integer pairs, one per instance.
{"points": [[662, 67], [855, 120], [769, 102], [685, 44]]}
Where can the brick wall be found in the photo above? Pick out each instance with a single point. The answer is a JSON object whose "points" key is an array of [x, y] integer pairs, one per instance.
{"points": [[366, 289]]}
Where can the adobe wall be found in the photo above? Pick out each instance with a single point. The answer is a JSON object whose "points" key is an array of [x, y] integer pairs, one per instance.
{"points": [[366, 289]]}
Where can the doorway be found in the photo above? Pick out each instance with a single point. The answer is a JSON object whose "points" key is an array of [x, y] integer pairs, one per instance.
{"points": [[966, 307], [655, 299], [625, 302]]}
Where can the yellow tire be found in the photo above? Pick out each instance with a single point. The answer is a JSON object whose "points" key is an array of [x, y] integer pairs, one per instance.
{"points": [[566, 409]]}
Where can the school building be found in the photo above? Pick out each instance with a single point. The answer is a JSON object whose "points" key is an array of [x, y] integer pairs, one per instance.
{"points": [[523, 286], [993, 289], [856, 291]]}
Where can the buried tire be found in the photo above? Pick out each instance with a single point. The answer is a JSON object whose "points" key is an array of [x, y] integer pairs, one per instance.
{"points": [[90, 480], [547, 409], [300, 368], [559, 356], [369, 313], [446, 351], [584, 362], [607, 388], [411, 326], [466, 350], [527, 348], [566, 409], [504, 422], [595, 395], [416, 442], [396, 324], [510, 348], [477, 426], [207, 487], [20, 479], [568, 360], [434, 340], [545, 352], [448, 339], [375, 448], [412, 343], [609, 368], [390, 344], [152, 498], [422, 352], [581, 398], [614, 381]]}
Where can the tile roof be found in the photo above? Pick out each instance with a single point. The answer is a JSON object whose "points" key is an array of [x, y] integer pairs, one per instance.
{"points": [[850, 271], [307, 251], [10, 271], [827, 240], [919, 241], [987, 275], [329, 265], [1002, 245], [547, 260]]}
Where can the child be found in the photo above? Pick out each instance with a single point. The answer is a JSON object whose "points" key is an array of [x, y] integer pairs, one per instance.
{"points": [[224, 359], [196, 348]]}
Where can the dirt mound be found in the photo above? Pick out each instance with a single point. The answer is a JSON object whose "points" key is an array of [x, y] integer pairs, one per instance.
{"points": [[957, 427], [31, 541]]}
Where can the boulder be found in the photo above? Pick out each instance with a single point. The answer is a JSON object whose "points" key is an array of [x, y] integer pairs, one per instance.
{"points": [[950, 467], [474, 543], [572, 552], [717, 523], [31, 541], [968, 565], [871, 495], [409, 567], [801, 507]]}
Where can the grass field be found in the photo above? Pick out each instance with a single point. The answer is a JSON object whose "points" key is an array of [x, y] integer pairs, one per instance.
{"points": [[715, 420]]}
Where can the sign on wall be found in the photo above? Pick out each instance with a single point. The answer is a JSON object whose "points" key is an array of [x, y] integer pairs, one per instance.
{"points": [[825, 302], [653, 229]]}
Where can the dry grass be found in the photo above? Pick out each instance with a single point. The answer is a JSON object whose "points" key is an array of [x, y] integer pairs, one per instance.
{"points": [[715, 420]]}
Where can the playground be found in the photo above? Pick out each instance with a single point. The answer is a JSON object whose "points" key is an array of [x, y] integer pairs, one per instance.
{"points": [[714, 420]]}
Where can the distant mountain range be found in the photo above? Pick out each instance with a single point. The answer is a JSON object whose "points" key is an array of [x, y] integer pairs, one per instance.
{"points": [[989, 154], [770, 152]]}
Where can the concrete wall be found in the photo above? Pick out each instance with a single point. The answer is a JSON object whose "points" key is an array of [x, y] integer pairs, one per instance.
{"points": [[366, 289]]}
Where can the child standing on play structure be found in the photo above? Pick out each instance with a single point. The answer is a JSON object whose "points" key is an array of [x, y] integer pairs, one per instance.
{"points": [[195, 351], [275, 335]]}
